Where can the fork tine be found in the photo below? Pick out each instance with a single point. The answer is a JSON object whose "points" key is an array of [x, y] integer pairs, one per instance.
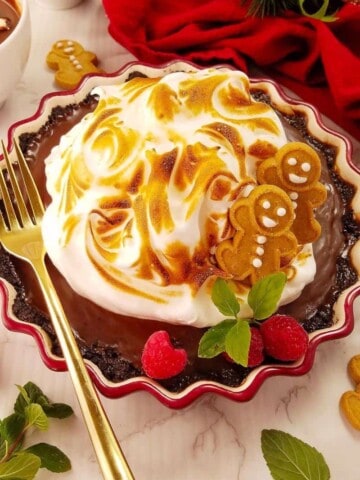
{"points": [[23, 213], [33, 193], [9, 209]]}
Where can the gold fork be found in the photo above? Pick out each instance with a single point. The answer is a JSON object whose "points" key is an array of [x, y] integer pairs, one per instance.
{"points": [[20, 235]]}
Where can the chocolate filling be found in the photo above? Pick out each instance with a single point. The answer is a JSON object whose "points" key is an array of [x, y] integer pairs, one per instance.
{"points": [[113, 342]]}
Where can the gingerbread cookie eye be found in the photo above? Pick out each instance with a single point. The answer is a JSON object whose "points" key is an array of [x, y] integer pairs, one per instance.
{"points": [[292, 161]]}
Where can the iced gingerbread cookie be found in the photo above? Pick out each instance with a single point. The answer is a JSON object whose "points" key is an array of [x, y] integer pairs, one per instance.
{"points": [[350, 406], [262, 243], [296, 169], [350, 401], [71, 62], [354, 369]]}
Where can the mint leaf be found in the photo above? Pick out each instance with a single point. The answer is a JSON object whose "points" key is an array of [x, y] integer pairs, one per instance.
{"points": [[32, 409], [237, 342], [58, 410], [51, 457], [224, 298], [29, 393], [23, 395], [36, 416], [264, 296], [3, 447], [23, 466], [12, 427], [292, 459], [212, 343]]}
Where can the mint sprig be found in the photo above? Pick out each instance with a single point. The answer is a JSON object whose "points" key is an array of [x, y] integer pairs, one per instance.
{"points": [[288, 457], [32, 410], [31, 393], [233, 335]]}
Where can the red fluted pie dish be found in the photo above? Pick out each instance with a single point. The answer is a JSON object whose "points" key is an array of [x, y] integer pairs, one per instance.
{"points": [[112, 343]]}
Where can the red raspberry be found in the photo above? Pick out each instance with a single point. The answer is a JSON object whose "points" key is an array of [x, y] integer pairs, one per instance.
{"points": [[284, 338], [256, 349], [160, 359]]}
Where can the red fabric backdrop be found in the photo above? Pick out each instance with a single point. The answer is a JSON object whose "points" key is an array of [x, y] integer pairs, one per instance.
{"points": [[319, 61]]}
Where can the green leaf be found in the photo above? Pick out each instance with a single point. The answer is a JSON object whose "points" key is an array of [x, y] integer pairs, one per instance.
{"points": [[264, 296], [292, 459], [212, 343], [36, 416], [12, 427], [52, 458], [58, 410], [320, 14], [23, 466], [29, 393], [24, 395], [224, 298], [32, 409], [237, 342], [3, 448]]}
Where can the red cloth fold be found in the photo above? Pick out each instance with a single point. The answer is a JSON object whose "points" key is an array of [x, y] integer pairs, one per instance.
{"points": [[319, 61]]}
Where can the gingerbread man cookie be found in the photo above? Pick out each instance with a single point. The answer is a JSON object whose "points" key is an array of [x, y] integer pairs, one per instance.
{"points": [[296, 168], [263, 242], [350, 400], [71, 63], [354, 369]]}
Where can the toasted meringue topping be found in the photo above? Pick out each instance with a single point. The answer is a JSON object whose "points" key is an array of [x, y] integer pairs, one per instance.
{"points": [[141, 189]]}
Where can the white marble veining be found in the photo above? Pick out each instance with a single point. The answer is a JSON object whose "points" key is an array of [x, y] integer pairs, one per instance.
{"points": [[214, 438]]}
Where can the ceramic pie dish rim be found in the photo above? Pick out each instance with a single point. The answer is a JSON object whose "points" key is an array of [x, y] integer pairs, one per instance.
{"points": [[342, 327]]}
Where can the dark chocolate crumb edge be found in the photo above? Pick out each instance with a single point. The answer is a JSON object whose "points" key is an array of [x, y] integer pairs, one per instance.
{"points": [[106, 357], [346, 274], [58, 114]]}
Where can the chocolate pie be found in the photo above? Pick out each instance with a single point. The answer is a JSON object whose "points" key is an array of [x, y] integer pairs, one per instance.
{"points": [[140, 178]]}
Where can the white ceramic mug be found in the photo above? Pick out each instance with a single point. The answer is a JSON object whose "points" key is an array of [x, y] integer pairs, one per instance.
{"points": [[14, 52], [58, 4]]}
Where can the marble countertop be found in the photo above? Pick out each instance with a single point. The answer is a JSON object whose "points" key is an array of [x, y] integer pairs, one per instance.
{"points": [[214, 438]]}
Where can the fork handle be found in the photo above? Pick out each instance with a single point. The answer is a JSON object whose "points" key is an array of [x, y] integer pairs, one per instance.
{"points": [[110, 456]]}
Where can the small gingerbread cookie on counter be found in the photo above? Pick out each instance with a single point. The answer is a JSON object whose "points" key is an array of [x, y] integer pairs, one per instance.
{"points": [[354, 369], [350, 406], [71, 63], [350, 401]]}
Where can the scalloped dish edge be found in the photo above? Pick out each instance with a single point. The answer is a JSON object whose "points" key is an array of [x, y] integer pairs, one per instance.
{"points": [[343, 308]]}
